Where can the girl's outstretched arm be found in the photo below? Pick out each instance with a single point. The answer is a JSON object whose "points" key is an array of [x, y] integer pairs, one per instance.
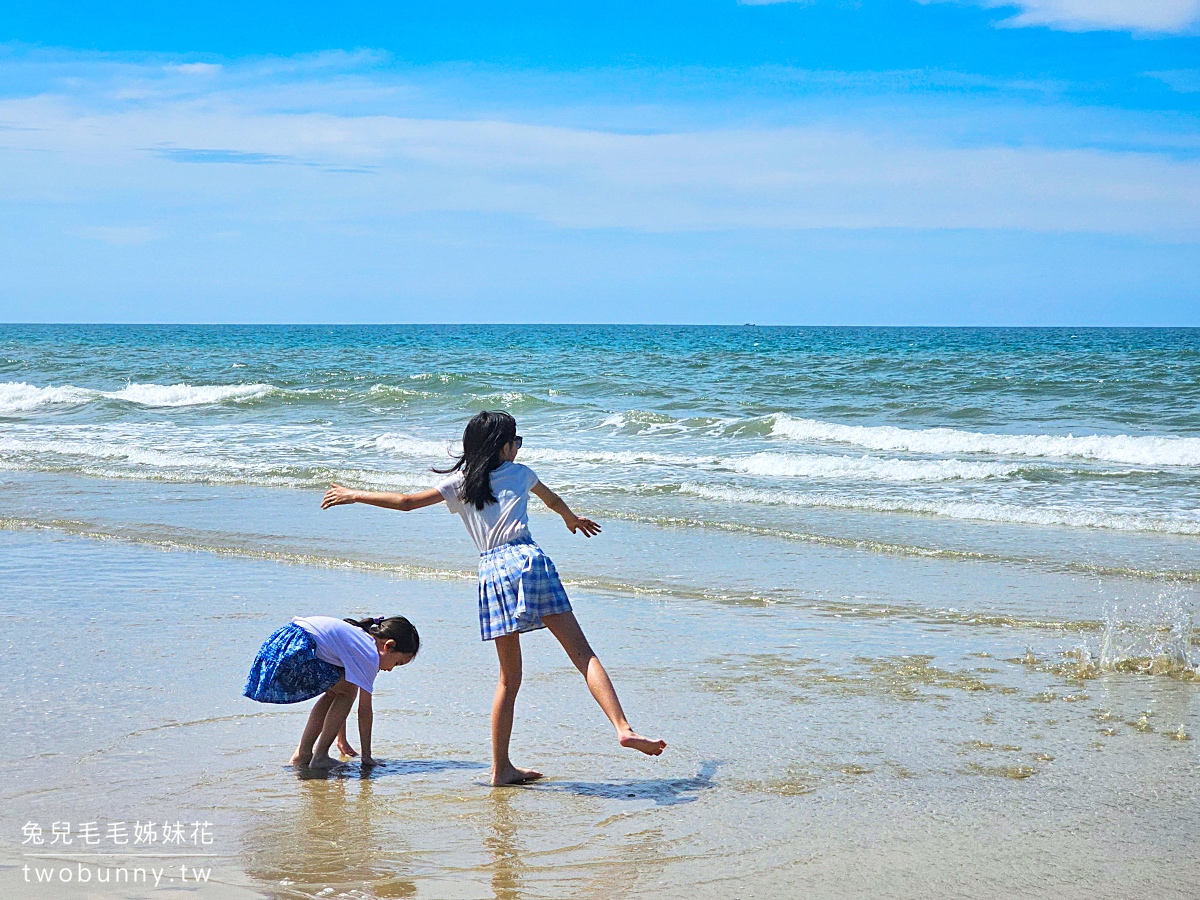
{"points": [[366, 716], [556, 503], [340, 496]]}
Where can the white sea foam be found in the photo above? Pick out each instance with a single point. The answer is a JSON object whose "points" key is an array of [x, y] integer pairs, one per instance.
{"points": [[618, 457], [405, 445], [765, 464], [954, 509], [643, 422], [1140, 450], [14, 450], [866, 468], [421, 448], [17, 396], [162, 395]]}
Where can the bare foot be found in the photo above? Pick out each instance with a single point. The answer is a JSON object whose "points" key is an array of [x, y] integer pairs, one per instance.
{"points": [[344, 747], [513, 775], [299, 759], [323, 762], [637, 742]]}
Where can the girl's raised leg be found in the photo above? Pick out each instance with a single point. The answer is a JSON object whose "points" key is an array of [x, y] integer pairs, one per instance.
{"points": [[564, 627], [508, 649]]}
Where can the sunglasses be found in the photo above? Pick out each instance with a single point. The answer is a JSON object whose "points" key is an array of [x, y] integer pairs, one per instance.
{"points": [[520, 440]]}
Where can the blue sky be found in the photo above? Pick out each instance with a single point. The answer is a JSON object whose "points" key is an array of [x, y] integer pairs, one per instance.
{"points": [[829, 162]]}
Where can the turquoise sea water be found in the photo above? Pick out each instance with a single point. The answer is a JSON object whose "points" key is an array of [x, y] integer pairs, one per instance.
{"points": [[1077, 438], [893, 596], [1082, 428]]}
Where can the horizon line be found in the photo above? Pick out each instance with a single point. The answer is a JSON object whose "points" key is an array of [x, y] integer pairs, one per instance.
{"points": [[513, 325]]}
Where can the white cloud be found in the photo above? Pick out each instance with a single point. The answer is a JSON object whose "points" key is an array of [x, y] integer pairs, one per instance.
{"points": [[1184, 81], [1158, 16], [1144, 16], [117, 235], [231, 156], [195, 68], [803, 177], [1151, 16]]}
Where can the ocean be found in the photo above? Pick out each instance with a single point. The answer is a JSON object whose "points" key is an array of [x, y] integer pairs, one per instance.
{"points": [[858, 579]]}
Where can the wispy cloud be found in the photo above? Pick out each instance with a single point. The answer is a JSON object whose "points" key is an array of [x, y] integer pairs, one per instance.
{"points": [[244, 158], [814, 176], [118, 235], [1142, 16], [1154, 16], [189, 155], [194, 68], [232, 186], [1185, 81], [231, 149]]}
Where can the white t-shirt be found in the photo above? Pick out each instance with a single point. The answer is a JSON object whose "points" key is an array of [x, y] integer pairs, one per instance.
{"points": [[497, 523], [345, 645]]}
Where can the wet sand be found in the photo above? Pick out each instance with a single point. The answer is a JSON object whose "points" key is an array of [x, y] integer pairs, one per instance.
{"points": [[817, 750]]}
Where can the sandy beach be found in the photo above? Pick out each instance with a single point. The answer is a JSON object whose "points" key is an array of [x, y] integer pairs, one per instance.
{"points": [[815, 749]]}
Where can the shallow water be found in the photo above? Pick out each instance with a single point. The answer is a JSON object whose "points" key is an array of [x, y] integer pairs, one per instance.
{"points": [[913, 609], [810, 751]]}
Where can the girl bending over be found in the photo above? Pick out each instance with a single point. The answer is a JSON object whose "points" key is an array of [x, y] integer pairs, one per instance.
{"points": [[338, 659]]}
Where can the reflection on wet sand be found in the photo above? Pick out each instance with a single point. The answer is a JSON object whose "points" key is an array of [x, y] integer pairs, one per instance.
{"points": [[504, 846], [328, 837], [527, 858], [386, 767]]}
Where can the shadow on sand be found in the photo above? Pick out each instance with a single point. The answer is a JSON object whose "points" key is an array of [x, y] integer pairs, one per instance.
{"points": [[663, 791], [386, 767]]}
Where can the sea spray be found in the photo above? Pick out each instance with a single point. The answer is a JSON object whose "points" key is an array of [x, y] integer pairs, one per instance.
{"points": [[1154, 637]]}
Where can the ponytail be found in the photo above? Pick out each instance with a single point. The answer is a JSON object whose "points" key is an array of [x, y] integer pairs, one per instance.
{"points": [[397, 629]]}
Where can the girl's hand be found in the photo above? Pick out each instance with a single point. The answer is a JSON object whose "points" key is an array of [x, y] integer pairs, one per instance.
{"points": [[337, 496], [587, 526]]}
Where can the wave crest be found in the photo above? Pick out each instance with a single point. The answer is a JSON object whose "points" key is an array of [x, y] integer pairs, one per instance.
{"points": [[953, 509], [1140, 450], [17, 396], [160, 395], [867, 468]]}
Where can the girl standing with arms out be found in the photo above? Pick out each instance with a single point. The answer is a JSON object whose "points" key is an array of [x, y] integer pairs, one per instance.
{"points": [[338, 659], [519, 588]]}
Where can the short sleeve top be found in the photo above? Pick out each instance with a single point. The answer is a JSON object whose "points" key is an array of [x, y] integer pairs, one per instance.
{"points": [[497, 523], [345, 645]]}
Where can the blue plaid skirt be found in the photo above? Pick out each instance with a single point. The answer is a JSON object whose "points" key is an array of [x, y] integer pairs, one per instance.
{"points": [[287, 670], [518, 584]]}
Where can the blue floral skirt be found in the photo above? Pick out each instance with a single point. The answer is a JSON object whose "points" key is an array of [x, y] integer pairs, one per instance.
{"points": [[287, 670], [518, 584]]}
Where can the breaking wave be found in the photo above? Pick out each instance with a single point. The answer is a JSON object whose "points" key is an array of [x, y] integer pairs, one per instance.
{"points": [[765, 464], [954, 509], [18, 397], [1141, 450], [867, 468]]}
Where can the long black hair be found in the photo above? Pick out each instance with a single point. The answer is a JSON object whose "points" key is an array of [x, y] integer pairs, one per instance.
{"points": [[397, 629], [483, 439]]}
